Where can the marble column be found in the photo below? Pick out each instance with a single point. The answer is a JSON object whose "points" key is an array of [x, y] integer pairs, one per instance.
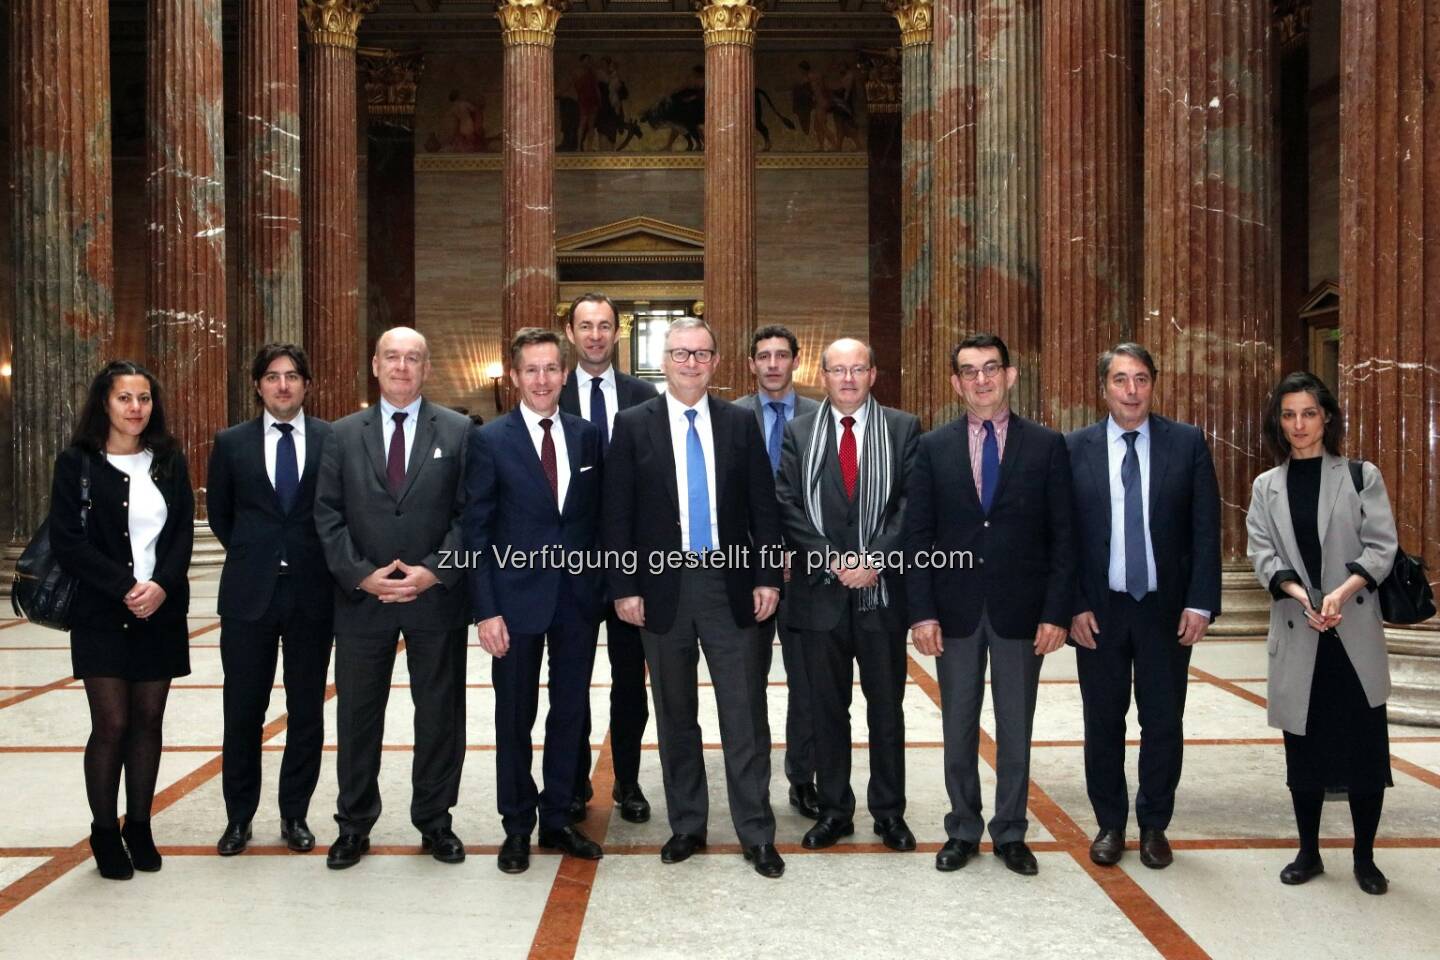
{"points": [[268, 282], [1088, 243], [1390, 292], [952, 258], [882, 101], [918, 356], [729, 28], [64, 266], [329, 222], [185, 194]]}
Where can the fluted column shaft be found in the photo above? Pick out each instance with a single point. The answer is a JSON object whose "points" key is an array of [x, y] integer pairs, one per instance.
{"points": [[268, 282], [1088, 242], [917, 149], [1209, 284], [882, 100], [64, 266], [953, 195]]}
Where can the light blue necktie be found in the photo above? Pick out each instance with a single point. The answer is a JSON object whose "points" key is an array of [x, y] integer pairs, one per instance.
{"points": [[777, 433], [1137, 569], [699, 490]]}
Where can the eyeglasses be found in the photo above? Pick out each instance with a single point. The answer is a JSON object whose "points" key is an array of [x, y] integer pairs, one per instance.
{"points": [[680, 355], [991, 371], [840, 373]]}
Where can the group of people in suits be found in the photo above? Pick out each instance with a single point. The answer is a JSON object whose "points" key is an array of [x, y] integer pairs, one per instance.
{"points": [[418, 524]]}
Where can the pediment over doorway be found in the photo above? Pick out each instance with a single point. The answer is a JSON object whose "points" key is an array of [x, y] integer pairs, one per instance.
{"points": [[632, 239]]}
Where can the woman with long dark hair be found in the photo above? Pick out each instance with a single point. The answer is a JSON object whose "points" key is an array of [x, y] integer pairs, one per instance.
{"points": [[128, 635], [1320, 546]]}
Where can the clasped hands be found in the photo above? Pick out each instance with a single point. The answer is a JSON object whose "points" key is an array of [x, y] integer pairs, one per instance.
{"points": [[1328, 617], [144, 599], [416, 580]]}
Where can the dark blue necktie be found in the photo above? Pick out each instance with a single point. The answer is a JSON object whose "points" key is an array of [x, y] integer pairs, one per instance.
{"points": [[287, 468], [777, 433], [989, 467], [697, 487], [1137, 573], [598, 413]]}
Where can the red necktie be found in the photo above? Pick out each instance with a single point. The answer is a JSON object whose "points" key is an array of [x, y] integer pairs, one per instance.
{"points": [[547, 459], [395, 462], [849, 463]]}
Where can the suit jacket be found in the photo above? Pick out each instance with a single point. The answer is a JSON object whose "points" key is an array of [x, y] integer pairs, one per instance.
{"points": [[632, 392], [99, 557], [508, 505], [1184, 517], [753, 401], [642, 509], [245, 514], [1023, 550], [1354, 529], [362, 526], [814, 603]]}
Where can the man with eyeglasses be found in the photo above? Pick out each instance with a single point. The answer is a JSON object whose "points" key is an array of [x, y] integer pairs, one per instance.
{"points": [[689, 488], [774, 355], [842, 498], [1147, 508], [990, 542]]}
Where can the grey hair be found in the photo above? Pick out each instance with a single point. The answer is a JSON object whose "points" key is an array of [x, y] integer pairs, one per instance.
{"points": [[1128, 349], [691, 323]]}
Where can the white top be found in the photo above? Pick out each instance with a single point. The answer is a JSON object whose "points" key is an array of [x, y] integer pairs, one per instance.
{"points": [[557, 434], [272, 440], [679, 430], [387, 426], [146, 507], [584, 386], [857, 428]]}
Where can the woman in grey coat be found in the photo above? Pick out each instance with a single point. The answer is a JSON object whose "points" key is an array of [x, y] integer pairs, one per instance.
{"points": [[1320, 547]]}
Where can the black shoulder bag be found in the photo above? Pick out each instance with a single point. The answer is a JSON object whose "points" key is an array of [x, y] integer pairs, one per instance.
{"points": [[1405, 595], [43, 593]]}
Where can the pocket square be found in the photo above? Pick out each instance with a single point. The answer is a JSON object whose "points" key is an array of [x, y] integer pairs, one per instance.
{"points": [[437, 455], [591, 467]]}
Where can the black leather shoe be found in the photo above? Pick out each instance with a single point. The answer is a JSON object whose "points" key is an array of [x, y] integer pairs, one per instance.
{"points": [[1302, 869], [141, 844], [346, 851], [632, 803], [1107, 847], [1367, 875], [1018, 858], [1155, 850], [955, 854], [895, 834], [576, 811], [571, 841], [767, 860], [827, 833], [109, 852], [805, 798], [296, 834], [234, 839], [443, 845], [514, 854], [680, 847]]}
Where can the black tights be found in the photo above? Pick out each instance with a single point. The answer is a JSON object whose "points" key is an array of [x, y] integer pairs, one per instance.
{"points": [[125, 720], [1364, 814]]}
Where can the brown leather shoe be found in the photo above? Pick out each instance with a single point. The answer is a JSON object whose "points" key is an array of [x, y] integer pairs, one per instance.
{"points": [[1107, 848], [1155, 849]]}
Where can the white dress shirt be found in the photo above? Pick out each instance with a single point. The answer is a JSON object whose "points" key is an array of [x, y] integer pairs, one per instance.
{"points": [[607, 387], [557, 433], [272, 441], [145, 508], [679, 430], [857, 428], [387, 426]]}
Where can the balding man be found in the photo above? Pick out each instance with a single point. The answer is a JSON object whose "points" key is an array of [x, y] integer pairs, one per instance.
{"points": [[388, 507]]}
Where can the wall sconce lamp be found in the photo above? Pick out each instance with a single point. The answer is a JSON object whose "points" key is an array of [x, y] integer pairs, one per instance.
{"points": [[495, 370]]}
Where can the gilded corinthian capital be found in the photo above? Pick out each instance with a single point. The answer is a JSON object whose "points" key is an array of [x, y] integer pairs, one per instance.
{"points": [[728, 21], [915, 18], [529, 21], [335, 23]]}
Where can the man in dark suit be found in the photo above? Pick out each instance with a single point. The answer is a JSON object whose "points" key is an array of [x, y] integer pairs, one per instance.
{"points": [[261, 496], [596, 391], [532, 483], [842, 498], [687, 475], [774, 354], [1147, 509], [388, 507], [989, 539]]}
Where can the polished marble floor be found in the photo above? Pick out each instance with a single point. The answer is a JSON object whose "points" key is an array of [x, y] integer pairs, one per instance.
{"points": [[1232, 833]]}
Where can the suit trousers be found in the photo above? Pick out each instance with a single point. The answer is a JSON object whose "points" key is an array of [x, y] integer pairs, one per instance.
{"points": [[249, 650], [703, 621], [629, 708], [799, 725], [881, 656], [1134, 635], [363, 666], [517, 698], [1014, 683]]}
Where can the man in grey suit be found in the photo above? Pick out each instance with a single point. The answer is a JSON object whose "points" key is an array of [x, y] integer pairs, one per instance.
{"points": [[774, 354], [388, 507], [842, 500]]}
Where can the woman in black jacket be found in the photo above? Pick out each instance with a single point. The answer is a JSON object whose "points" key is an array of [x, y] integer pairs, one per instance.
{"points": [[128, 635]]}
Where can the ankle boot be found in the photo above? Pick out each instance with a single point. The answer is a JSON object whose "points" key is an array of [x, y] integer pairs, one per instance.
{"points": [[109, 852], [141, 845]]}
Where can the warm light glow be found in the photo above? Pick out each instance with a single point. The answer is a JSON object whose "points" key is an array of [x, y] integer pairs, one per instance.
{"points": [[364, 404], [494, 370], [5, 369]]}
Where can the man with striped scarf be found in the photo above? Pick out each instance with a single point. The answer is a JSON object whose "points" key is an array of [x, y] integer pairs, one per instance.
{"points": [[841, 485]]}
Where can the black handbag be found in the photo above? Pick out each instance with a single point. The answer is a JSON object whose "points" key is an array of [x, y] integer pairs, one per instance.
{"points": [[1405, 595], [44, 593]]}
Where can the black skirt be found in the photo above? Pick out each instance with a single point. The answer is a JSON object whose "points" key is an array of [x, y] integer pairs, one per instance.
{"points": [[1346, 745], [132, 650]]}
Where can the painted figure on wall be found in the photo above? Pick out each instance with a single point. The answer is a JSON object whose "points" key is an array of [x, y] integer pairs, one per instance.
{"points": [[466, 127]]}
